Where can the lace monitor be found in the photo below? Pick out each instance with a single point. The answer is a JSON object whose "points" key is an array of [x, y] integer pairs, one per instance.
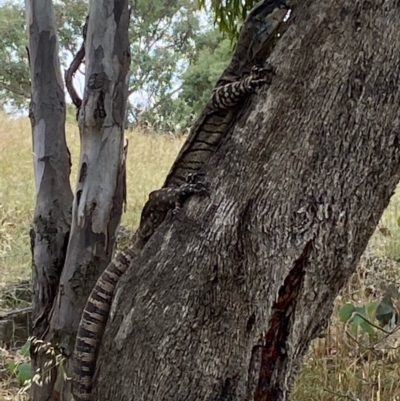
{"points": [[245, 73]]}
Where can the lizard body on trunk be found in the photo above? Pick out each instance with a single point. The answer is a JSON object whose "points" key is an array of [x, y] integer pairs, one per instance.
{"points": [[241, 78]]}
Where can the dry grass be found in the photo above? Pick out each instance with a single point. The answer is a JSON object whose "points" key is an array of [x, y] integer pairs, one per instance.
{"points": [[346, 367], [10, 388], [149, 158], [339, 366]]}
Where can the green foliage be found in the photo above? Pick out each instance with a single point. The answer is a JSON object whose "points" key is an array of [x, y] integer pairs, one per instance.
{"points": [[70, 17], [14, 67], [363, 316], [208, 60], [25, 350], [14, 73], [163, 35], [229, 15], [172, 75], [177, 56], [70, 115], [359, 317], [201, 76], [169, 116], [386, 312], [21, 369], [163, 38]]}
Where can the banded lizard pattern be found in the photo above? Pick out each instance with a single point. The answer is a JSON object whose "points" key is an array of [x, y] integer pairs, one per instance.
{"points": [[241, 78]]}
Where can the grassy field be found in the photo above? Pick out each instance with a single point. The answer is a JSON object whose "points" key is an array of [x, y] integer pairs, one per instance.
{"points": [[344, 365], [149, 159]]}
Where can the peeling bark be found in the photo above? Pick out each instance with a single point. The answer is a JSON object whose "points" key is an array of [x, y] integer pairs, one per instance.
{"points": [[243, 281], [66, 265], [52, 219], [100, 190]]}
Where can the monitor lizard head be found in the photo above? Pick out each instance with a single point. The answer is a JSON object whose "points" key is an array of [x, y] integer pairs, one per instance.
{"points": [[262, 26], [258, 36]]}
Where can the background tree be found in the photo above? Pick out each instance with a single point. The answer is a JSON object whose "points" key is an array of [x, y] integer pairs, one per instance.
{"points": [[213, 53], [14, 68], [163, 37], [14, 72], [166, 38], [52, 220], [207, 61], [69, 253]]}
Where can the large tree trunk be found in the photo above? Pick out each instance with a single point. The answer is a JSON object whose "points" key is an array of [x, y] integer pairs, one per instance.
{"points": [[297, 191], [100, 192], [52, 219]]}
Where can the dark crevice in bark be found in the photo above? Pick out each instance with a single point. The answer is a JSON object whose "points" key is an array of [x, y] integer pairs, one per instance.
{"points": [[228, 389], [279, 327], [83, 172]]}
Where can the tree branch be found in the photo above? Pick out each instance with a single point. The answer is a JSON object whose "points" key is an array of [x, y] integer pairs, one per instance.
{"points": [[13, 89], [169, 94], [70, 72]]}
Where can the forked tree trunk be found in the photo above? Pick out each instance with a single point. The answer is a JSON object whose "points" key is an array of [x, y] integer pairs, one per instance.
{"points": [[100, 192], [297, 191], [101, 187], [52, 219]]}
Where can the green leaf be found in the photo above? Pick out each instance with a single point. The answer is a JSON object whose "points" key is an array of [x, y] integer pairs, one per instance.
{"points": [[367, 327], [229, 14], [360, 319], [385, 310], [371, 309], [354, 329], [357, 319], [385, 307], [14, 73], [361, 310], [11, 366], [346, 311], [25, 350], [24, 372]]}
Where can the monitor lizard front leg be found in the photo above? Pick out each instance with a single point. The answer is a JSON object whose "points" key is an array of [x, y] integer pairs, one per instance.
{"points": [[163, 200], [229, 95]]}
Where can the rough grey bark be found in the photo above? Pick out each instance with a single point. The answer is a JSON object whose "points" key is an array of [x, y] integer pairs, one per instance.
{"points": [[100, 192], [52, 219], [297, 191]]}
